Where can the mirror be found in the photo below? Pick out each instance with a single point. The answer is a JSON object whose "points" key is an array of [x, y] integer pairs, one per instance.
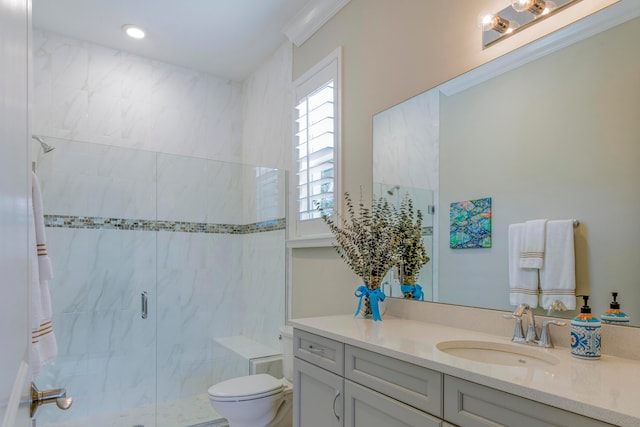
{"points": [[555, 138]]}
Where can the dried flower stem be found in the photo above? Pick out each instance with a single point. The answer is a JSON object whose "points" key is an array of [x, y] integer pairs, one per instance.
{"points": [[366, 238]]}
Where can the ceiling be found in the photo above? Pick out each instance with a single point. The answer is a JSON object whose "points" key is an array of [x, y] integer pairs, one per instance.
{"points": [[227, 38]]}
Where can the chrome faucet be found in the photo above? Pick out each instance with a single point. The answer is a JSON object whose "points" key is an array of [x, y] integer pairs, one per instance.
{"points": [[518, 334], [545, 337], [532, 332]]}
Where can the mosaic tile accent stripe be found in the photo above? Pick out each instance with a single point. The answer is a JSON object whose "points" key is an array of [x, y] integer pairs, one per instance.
{"points": [[92, 222]]}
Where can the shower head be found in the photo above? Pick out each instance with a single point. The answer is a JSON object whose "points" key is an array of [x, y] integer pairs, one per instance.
{"points": [[45, 147], [393, 189]]}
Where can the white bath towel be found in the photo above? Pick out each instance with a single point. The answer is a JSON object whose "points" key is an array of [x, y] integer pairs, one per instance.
{"points": [[44, 347], [532, 246], [558, 276], [523, 283]]}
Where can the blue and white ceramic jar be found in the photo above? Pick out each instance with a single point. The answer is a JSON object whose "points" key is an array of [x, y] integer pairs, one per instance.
{"points": [[585, 334]]}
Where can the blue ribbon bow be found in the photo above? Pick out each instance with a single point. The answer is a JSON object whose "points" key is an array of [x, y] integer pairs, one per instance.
{"points": [[416, 289], [374, 296]]}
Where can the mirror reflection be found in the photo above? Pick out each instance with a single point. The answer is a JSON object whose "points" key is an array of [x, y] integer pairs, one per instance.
{"points": [[557, 138], [422, 200]]}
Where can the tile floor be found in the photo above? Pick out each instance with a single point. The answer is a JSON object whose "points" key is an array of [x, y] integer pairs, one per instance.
{"points": [[195, 411]]}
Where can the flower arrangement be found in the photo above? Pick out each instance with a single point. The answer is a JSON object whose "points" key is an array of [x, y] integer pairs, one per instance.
{"points": [[367, 240], [412, 255]]}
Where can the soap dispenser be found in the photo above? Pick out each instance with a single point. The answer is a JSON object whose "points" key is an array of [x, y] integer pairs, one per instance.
{"points": [[585, 333], [614, 314]]}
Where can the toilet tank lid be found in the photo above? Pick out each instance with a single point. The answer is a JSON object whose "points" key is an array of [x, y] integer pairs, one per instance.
{"points": [[249, 387]]}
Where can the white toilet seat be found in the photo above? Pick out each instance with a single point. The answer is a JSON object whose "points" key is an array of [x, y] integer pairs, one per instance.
{"points": [[249, 387]]}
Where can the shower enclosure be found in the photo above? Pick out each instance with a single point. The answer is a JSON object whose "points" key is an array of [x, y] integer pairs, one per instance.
{"points": [[200, 243]]}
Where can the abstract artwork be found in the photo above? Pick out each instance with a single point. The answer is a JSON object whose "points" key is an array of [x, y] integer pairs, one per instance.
{"points": [[470, 224]]}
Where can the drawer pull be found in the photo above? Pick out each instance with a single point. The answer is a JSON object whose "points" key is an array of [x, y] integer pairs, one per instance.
{"points": [[335, 399], [314, 350]]}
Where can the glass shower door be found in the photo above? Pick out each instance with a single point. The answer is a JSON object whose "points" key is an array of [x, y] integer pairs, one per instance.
{"points": [[203, 241], [100, 207]]}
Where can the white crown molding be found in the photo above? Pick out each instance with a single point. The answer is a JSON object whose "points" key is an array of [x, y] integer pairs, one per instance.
{"points": [[309, 20]]}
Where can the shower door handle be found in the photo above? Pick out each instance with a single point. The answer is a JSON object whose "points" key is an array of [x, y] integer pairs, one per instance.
{"points": [[144, 299]]}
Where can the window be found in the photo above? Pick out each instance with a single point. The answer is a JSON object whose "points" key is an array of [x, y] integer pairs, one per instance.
{"points": [[315, 152], [316, 148]]}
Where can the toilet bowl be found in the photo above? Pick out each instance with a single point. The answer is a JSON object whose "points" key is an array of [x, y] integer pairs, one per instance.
{"points": [[258, 400]]}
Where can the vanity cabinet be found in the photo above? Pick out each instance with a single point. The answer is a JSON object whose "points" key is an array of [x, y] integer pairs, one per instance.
{"points": [[340, 385], [318, 396], [318, 393], [468, 404]]}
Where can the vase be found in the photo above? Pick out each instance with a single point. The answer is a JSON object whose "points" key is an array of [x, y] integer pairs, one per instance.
{"points": [[411, 289], [371, 304], [408, 286]]}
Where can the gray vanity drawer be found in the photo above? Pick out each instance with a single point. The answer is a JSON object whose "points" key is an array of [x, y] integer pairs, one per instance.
{"points": [[468, 404], [412, 384], [320, 351], [365, 407]]}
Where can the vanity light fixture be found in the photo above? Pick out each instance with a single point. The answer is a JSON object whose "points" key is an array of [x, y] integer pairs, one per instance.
{"points": [[133, 31], [517, 16]]}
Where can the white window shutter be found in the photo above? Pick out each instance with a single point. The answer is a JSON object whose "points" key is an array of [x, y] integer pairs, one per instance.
{"points": [[315, 181]]}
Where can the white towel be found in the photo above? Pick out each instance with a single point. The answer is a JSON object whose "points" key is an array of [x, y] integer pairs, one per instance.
{"points": [[532, 245], [44, 347], [558, 276], [523, 283]]}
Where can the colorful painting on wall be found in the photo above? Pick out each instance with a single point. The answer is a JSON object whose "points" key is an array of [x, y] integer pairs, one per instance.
{"points": [[470, 224]]}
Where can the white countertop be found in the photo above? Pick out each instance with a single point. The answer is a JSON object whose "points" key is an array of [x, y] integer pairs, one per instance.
{"points": [[605, 389]]}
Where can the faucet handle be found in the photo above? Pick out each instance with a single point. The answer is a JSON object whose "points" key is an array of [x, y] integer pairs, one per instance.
{"points": [[553, 322], [518, 333], [545, 337], [521, 309]]}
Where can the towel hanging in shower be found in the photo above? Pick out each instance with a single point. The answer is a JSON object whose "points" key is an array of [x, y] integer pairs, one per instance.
{"points": [[44, 347]]}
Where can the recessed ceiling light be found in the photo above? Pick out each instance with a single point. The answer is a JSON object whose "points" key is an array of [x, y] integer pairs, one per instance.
{"points": [[133, 31]]}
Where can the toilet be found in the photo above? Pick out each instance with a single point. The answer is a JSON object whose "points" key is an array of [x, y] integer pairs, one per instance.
{"points": [[258, 400]]}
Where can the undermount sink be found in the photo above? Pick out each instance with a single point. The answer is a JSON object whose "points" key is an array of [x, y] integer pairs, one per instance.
{"points": [[498, 353]]}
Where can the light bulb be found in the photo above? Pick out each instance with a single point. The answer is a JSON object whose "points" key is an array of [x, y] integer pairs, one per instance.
{"points": [[521, 5], [550, 6], [495, 22], [537, 7], [485, 21], [513, 25]]}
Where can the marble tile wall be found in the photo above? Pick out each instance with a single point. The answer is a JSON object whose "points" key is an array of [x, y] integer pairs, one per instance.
{"points": [[199, 190], [263, 290], [87, 92], [84, 179], [267, 102], [402, 154]]}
